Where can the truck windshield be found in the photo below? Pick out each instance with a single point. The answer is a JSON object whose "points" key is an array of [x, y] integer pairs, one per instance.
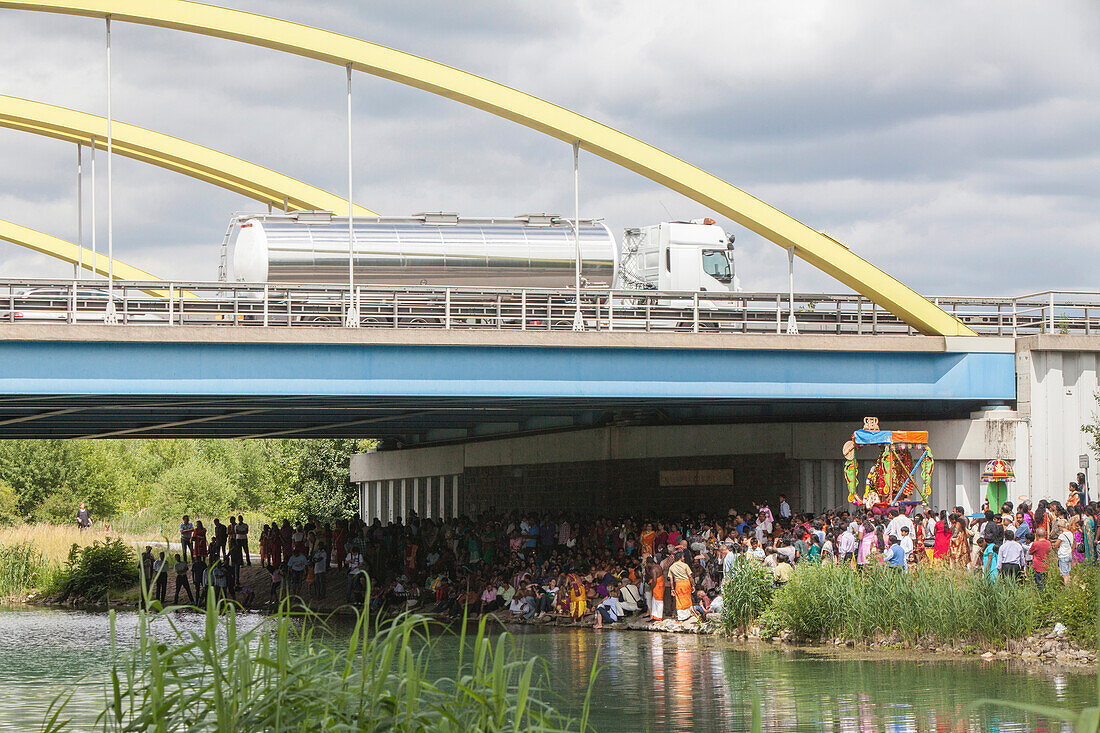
{"points": [[717, 265]]}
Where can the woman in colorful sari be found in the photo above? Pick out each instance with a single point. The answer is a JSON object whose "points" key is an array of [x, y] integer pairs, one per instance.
{"points": [[198, 540], [1090, 535], [647, 537], [867, 540], [959, 553], [941, 550]]}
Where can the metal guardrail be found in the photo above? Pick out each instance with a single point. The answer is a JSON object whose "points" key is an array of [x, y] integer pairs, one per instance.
{"points": [[274, 305]]}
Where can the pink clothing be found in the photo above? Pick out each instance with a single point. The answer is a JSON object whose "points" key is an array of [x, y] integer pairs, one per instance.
{"points": [[866, 543]]}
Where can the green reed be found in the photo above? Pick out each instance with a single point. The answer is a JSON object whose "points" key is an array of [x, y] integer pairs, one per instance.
{"points": [[925, 604], [285, 674]]}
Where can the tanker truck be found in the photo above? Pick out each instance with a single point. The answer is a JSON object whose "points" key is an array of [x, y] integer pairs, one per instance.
{"points": [[442, 250]]}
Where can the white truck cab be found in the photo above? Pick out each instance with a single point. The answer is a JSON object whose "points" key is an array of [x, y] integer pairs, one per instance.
{"points": [[679, 256]]}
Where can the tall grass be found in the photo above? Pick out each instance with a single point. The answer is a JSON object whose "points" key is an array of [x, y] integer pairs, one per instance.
{"points": [[922, 605], [279, 676], [55, 540], [25, 568]]}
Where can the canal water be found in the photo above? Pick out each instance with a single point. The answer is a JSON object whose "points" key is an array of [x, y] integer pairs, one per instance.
{"points": [[649, 682]]}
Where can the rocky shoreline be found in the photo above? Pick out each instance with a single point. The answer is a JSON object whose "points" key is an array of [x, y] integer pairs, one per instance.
{"points": [[1050, 648]]}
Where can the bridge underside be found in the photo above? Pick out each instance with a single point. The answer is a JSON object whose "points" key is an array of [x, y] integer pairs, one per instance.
{"points": [[416, 388], [410, 420]]}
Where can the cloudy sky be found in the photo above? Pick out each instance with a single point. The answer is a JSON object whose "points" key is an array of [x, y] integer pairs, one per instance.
{"points": [[955, 145]]}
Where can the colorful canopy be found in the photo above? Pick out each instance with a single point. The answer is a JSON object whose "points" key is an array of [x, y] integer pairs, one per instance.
{"points": [[998, 470], [880, 437]]}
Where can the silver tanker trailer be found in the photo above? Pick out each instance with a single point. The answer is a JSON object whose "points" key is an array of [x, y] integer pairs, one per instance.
{"points": [[442, 250]]}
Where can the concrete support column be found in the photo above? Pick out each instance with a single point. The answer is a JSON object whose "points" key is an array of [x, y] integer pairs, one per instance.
{"points": [[454, 495], [805, 501]]}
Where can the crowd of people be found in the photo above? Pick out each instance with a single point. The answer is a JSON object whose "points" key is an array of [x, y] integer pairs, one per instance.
{"points": [[598, 570]]}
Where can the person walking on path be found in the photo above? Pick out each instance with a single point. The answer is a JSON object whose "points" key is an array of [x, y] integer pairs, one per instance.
{"points": [[83, 517], [181, 581], [187, 531]]}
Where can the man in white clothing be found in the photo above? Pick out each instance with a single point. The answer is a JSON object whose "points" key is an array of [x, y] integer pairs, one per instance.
{"points": [[897, 521]]}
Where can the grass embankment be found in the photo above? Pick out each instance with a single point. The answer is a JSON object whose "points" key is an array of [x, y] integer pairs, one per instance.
{"points": [[39, 559], [828, 600], [279, 676], [923, 605]]}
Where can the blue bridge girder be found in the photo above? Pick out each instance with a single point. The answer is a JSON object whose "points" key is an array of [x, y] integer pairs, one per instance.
{"points": [[420, 386]]}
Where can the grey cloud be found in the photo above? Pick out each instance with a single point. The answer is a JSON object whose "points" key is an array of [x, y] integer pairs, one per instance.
{"points": [[943, 146]]}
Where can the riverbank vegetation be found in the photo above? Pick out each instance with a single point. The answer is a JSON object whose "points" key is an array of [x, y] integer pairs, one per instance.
{"points": [[285, 674], [143, 485], [23, 569], [42, 558], [923, 605]]}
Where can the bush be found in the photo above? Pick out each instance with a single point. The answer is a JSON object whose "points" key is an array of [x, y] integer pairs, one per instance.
{"points": [[814, 602], [746, 593], [94, 571], [1075, 603]]}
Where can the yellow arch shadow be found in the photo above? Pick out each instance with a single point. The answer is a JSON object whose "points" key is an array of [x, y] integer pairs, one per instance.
{"points": [[70, 252], [814, 247], [197, 161]]}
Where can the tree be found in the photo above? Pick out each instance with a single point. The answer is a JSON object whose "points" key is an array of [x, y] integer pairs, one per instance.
{"points": [[322, 484], [38, 468], [9, 505]]}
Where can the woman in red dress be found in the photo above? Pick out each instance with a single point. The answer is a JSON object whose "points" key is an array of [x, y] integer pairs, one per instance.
{"points": [[198, 540]]}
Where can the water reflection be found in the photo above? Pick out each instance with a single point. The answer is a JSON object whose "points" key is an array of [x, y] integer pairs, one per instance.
{"points": [[687, 683], [648, 682]]}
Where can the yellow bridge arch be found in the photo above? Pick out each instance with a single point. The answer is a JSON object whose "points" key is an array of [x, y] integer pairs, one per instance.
{"points": [[155, 148], [172, 153], [69, 252], [812, 246]]}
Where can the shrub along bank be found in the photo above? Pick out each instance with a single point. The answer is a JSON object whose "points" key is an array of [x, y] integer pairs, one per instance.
{"points": [[923, 605]]}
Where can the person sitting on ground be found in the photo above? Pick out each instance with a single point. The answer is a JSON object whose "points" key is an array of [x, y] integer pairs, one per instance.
{"points": [[608, 611]]}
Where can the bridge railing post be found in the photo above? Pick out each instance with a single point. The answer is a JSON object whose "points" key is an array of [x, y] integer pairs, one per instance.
{"points": [[267, 299], [1052, 311], [523, 310], [695, 313], [71, 315], [171, 297], [778, 313], [610, 310], [447, 309]]}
